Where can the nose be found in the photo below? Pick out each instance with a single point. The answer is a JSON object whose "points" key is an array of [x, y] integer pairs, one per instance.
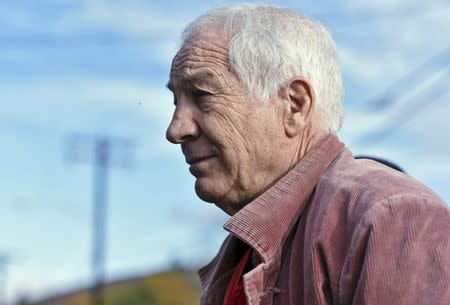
{"points": [[183, 127]]}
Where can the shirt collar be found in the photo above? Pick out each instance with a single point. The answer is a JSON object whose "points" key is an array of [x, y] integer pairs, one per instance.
{"points": [[265, 222]]}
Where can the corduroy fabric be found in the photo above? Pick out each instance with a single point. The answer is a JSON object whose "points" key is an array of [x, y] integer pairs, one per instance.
{"points": [[339, 231]]}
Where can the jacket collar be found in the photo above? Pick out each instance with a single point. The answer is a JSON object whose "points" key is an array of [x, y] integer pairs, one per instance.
{"points": [[265, 222]]}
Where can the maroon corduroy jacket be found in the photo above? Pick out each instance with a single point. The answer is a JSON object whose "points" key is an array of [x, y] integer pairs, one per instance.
{"points": [[339, 231]]}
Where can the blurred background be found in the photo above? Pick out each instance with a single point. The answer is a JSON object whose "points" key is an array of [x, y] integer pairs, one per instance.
{"points": [[90, 189]]}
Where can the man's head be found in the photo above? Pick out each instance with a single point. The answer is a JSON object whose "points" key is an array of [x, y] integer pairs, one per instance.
{"points": [[255, 86]]}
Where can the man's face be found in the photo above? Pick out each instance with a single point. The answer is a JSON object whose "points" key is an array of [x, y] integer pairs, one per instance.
{"points": [[229, 139]]}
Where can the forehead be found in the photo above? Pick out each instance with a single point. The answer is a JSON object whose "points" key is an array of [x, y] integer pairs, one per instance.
{"points": [[200, 57]]}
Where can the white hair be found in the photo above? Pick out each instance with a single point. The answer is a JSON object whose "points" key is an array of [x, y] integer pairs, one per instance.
{"points": [[269, 45]]}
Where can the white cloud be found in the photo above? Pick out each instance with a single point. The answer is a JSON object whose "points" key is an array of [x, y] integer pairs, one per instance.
{"points": [[390, 5], [368, 67], [134, 17], [155, 30], [402, 36], [85, 106], [48, 98]]}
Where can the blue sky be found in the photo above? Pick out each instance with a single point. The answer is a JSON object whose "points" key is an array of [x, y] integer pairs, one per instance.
{"points": [[100, 67]]}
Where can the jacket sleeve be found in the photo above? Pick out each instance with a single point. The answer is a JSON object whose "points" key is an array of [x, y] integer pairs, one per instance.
{"points": [[400, 254]]}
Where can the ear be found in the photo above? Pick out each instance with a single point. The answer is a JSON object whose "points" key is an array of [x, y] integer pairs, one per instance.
{"points": [[299, 99]]}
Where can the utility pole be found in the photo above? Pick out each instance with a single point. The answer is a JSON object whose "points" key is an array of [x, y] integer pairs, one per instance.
{"points": [[4, 261], [103, 152]]}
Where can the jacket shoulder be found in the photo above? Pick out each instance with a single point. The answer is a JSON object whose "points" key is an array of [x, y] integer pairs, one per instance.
{"points": [[355, 187]]}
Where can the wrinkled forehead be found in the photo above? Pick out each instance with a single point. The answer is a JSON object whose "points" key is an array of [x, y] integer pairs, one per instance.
{"points": [[199, 52]]}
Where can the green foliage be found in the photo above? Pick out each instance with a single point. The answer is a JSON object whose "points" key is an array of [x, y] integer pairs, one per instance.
{"points": [[175, 287], [139, 295]]}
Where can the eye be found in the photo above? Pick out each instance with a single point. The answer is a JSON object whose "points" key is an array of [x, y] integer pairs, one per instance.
{"points": [[200, 93]]}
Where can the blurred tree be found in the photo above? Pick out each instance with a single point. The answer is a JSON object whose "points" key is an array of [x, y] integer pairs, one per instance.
{"points": [[140, 295], [174, 287]]}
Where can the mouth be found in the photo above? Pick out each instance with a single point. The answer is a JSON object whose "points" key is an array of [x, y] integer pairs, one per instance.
{"points": [[196, 160]]}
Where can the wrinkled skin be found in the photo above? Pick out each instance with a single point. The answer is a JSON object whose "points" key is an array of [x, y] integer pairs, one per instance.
{"points": [[236, 146]]}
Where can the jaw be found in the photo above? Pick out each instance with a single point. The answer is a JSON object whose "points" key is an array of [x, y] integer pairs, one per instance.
{"points": [[224, 194]]}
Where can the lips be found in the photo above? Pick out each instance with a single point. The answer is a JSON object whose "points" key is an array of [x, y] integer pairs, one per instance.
{"points": [[194, 160]]}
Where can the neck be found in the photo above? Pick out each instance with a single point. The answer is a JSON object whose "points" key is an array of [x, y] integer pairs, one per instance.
{"points": [[304, 142]]}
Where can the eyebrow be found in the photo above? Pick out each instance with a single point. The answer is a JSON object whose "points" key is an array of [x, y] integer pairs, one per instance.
{"points": [[198, 75]]}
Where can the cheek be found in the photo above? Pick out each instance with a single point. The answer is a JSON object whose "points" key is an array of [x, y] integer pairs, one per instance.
{"points": [[224, 135], [236, 160], [231, 133]]}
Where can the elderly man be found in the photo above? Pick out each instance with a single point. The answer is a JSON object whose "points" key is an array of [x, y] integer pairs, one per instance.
{"points": [[258, 100]]}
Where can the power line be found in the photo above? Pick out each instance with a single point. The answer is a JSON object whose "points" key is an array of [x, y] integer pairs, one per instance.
{"points": [[396, 90], [426, 97]]}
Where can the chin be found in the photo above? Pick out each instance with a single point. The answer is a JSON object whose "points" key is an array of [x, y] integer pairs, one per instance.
{"points": [[205, 191]]}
